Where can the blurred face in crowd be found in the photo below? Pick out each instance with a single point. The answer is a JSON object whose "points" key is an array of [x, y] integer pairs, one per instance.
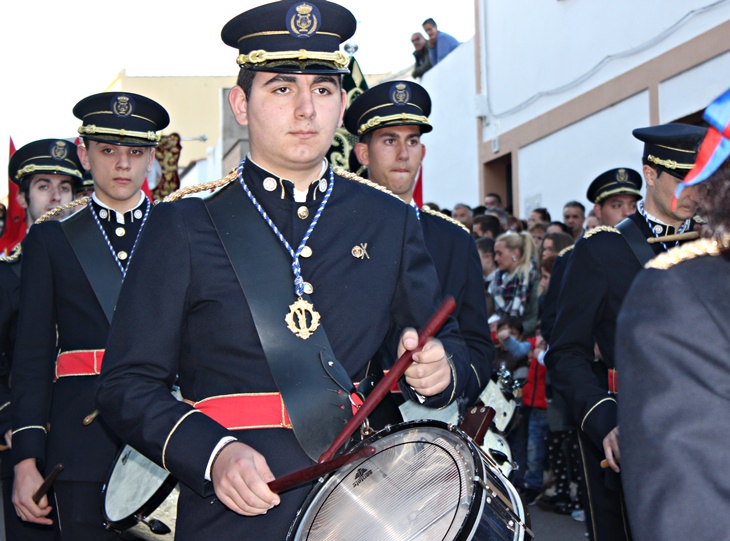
{"points": [[659, 192], [393, 157], [418, 41], [430, 30], [462, 214], [547, 248], [488, 263], [614, 209], [505, 258], [591, 222], [535, 218], [46, 192], [573, 217], [491, 202], [537, 235]]}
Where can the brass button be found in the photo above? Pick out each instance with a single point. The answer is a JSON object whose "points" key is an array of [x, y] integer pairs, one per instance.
{"points": [[308, 288], [122, 255], [120, 231], [306, 252], [303, 212]]}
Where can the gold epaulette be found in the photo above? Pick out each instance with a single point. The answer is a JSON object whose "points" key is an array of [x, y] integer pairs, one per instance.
{"points": [[13, 256], [58, 210], [443, 216], [600, 229], [352, 176], [566, 250], [202, 187], [689, 250]]}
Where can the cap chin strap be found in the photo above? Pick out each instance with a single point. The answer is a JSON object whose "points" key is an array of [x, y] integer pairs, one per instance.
{"points": [[260, 56], [91, 129]]}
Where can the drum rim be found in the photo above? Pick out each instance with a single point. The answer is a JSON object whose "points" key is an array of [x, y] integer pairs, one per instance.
{"points": [[154, 501], [479, 466]]}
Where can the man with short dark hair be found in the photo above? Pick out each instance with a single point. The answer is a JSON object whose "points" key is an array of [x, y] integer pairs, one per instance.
{"points": [[72, 272], [46, 172], [392, 150], [598, 274], [492, 200], [279, 290], [574, 214], [487, 225], [440, 44]]}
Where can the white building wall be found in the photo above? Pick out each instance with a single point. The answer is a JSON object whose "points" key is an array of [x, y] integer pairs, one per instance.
{"points": [[558, 168], [566, 48], [451, 166]]}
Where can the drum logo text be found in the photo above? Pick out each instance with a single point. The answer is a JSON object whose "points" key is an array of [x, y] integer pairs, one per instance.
{"points": [[360, 476]]}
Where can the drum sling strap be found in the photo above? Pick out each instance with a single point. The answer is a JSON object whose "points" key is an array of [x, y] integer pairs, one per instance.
{"points": [[102, 272], [314, 386], [636, 241]]}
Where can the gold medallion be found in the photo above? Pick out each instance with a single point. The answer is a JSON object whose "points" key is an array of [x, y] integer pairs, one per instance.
{"points": [[302, 318]]}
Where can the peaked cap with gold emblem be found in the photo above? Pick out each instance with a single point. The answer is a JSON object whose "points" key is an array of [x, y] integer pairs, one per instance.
{"points": [[395, 103], [672, 147], [292, 37], [50, 156], [121, 118], [620, 181]]}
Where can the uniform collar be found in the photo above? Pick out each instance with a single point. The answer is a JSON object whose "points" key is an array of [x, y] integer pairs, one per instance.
{"points": [[659, 228], [120, 217], [261, 182]]}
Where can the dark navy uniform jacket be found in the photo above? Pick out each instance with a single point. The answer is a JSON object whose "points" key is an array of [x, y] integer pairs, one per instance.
{"points": [[59, 312], [598, 275], [673, 356], [459, 270], [9, 295], [196, 325]]}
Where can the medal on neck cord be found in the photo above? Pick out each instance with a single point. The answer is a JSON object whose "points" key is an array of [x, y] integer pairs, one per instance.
{"points": [[302, 318]]}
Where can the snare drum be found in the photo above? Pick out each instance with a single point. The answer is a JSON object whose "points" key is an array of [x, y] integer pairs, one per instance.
{"points": [[140, 497], [426, 481]]}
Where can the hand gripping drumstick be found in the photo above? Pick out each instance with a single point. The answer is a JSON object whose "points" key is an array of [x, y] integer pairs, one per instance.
{"points": [[293, 480], [47, 482], [384, 386]]}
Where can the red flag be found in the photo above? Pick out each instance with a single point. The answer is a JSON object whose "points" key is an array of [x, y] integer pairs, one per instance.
{"points": [[15, 225]]}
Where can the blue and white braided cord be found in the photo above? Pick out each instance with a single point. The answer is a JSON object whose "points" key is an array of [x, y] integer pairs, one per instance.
{"points": [[109, 244], [296, 267]]}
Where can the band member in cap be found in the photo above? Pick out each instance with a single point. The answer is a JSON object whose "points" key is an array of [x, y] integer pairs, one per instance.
{"points": [[256, 276], [72, 272], [597, 276], [46, 172], [672, 351], [390, 119]]}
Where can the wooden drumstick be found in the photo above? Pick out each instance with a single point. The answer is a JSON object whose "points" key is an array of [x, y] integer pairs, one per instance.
{"points": [[384, 385], [47, 482], [690, 235], [293, 480]]}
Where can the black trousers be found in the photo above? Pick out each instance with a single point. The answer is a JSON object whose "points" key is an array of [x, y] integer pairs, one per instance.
{"points": [[608, 518], [79, 508]]}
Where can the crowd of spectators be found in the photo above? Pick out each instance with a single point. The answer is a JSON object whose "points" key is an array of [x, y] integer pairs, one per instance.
{"points": [[517, 257]]}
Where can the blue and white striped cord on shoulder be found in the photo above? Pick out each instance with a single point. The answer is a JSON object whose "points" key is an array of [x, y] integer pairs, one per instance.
{"points": [[296, 267]]}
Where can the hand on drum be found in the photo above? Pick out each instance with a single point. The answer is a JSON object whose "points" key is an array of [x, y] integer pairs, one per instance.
{"points": [[430, 372], [240, 476], [27, 481]]}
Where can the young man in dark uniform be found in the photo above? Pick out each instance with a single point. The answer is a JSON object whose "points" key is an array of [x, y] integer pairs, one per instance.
{"points": [[254, 277], [672, 343], [390, 119], [597, 277], [47, 172], [72, 272]]}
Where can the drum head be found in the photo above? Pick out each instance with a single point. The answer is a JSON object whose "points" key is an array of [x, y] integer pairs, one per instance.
{"points": [[418, 485], [136, 486]]}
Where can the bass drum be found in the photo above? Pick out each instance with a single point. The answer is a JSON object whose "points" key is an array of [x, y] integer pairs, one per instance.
{"points": [[426, 481], [140, 498]]}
